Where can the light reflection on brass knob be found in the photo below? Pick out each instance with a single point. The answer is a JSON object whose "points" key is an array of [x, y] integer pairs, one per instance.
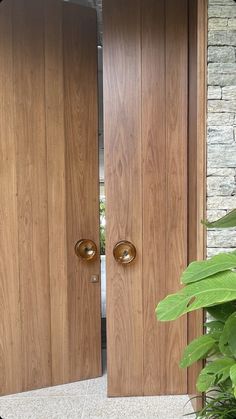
{"points": [[86, 249], [124, 252]]}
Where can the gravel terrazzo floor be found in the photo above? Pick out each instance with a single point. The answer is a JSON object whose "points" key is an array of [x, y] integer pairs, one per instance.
{"points": [[87, 399]]}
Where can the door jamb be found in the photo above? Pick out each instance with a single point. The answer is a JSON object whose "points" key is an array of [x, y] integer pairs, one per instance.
{"points": [[197, 160]]}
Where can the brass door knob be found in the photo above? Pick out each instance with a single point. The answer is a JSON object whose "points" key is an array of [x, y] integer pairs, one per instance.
{"points": [[86, 249], [124, 252]]}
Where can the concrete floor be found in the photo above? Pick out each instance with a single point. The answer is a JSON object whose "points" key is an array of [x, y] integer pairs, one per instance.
{"points": [[87, 399]]}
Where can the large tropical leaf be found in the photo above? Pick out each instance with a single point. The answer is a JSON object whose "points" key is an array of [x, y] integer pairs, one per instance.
{"points": [[214, 290], [229, 220], [223, 311], [214, 373], [197, 271], [232, 374], [198, 349], [227, 342]]}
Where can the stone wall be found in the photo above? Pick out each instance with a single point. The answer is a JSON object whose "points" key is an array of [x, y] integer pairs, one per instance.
{"points": [[221, 159]]}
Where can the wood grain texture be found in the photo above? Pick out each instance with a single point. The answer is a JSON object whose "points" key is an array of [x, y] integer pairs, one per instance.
{"points": [[50, 325], [159, 57], [29, 116], [10, 325], [164, 139], [192, 175], [122, 121], [55, 134], [176, 180], [154, 193], [197, 156], [82, 205]]}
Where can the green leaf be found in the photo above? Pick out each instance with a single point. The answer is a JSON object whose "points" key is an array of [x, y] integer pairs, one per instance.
{"points": [[232, 343], [229, 220], [223, 311], [198, 349], [232, 374], [227, 342], [197, 271], [214, 373], [214, 329], [214, 326], [217, 289]]}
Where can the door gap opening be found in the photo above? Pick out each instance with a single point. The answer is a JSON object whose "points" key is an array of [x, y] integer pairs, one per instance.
{"points": [[102, 197]]}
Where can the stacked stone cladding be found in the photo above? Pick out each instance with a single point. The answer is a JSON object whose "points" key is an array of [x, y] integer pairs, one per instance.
{"points": [[221, 139]]}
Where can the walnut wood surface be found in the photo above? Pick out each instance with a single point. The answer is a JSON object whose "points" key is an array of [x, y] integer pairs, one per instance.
{"points": [[50, 322], [10, 321], [146, 94], [82, 188], [123, 156], [31, 174], [197, 157]]}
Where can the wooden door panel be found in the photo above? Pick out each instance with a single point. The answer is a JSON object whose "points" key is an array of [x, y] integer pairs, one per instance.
{"points": [[122, 113], [154, 193], [54, 106], [146, 189], [176, 183], [10, 326], [31, 172], [82, 188], [50, 330]]}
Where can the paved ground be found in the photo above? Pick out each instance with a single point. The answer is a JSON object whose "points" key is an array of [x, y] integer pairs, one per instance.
{"points": [[88, 399]]}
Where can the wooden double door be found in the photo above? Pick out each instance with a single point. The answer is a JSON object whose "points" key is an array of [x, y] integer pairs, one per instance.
{"points": [[50, 325]]}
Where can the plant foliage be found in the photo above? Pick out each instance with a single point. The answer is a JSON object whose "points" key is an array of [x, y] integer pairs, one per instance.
{"points": [[219, 404], [198, 349], [210, 284], [197, 271], [215, 372], [102, 226], [229, 220], [213, 290]]}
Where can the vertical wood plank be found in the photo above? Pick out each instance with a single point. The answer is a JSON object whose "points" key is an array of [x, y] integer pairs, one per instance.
{"points": [[54, 89], [196, 158], [194, 322], [122, 119], [29, 116], [176, 180], [164, 137], [82, 206], [10, 324], [154, 193]]}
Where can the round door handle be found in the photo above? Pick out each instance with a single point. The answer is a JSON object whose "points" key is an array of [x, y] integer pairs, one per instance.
{"points": [[124, 252], [86, 249]]}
